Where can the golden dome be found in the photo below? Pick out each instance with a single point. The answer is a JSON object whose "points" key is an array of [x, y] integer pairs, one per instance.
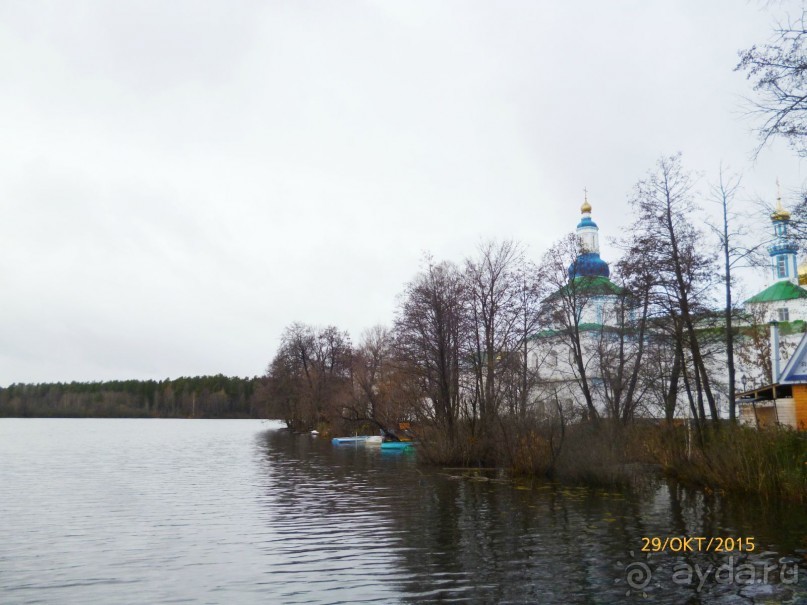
{"points": [[803, 274], [780, 214], [586, 207]]}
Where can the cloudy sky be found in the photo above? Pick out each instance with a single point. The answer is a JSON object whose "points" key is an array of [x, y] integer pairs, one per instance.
{"points": [[181, 180]]}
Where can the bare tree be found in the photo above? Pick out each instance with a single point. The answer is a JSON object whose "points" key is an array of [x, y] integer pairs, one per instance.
{"points": [[732, 234], [662, 368], [430, 327], [382, 394], [563, 310], [754, 350], [310, 374], [290, 375], [664, 231], [530, 294], [797, 229], [494, 289], [621, 347], [778, 70]]}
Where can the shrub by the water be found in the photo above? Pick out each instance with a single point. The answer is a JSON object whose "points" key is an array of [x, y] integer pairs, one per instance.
{"points": [[742, 459], [772, 463]]}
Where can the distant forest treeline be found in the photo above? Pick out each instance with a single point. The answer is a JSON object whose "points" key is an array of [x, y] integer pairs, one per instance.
{"points": [[197, 397]]}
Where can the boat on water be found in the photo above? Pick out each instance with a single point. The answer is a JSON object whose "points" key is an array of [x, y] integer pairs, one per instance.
{"points": [[346, 440], [374, 440], [397, 445]]}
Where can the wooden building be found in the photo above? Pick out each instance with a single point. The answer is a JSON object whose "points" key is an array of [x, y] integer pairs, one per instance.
{"points": [[783, 403]]}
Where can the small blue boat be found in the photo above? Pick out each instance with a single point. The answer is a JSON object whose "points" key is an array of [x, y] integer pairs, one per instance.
{"points": [[397, 445], [350, 440]]}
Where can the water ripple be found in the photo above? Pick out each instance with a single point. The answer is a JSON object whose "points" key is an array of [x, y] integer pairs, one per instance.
{"points": [[177, 511]]}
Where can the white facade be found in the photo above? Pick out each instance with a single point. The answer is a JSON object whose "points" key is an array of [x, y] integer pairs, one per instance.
{"points": [[550, 352], [587, 231], [784, 300], [780, 310], [559, 376]]}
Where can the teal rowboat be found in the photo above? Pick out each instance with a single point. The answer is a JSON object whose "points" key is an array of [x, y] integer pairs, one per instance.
{"points": [[346, 440], [397, 445]]}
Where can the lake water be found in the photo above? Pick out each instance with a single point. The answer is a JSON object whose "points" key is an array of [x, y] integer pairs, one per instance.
{"points": [[238, 511]]}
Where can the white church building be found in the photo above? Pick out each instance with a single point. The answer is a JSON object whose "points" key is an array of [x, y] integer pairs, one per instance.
{"points": [[596, 299], [784, 300], [781, 308], [781, 401]]}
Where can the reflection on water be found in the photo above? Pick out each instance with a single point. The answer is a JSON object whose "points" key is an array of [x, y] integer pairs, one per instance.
{"points": [[434, 536], [156, 511]]}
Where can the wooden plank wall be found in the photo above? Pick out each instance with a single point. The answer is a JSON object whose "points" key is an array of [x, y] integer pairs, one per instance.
{"points": [[800, 407]]}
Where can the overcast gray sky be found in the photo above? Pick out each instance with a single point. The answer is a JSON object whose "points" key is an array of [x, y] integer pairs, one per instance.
{"points": [[181, 180]]}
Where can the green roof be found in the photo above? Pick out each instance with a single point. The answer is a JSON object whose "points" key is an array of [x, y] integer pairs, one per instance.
{"points": [[583, 327], [597, 285], [585, 285], [785, 328], [781, 290], [590, 327]]}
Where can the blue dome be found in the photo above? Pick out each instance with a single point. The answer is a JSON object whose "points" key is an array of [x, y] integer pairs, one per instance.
{"points": [[589, 265], [586, 222]]}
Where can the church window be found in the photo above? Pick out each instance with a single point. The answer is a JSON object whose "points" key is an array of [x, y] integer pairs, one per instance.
{"points": [[782, 315], [781, 266]]}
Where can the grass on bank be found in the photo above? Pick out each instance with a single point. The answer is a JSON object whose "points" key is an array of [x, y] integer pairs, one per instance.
{"points": [[772, 463]]}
